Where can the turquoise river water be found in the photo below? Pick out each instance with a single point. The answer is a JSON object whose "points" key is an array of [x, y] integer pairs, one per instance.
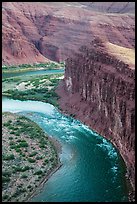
{"points": [[35, 72], [92, 170]]}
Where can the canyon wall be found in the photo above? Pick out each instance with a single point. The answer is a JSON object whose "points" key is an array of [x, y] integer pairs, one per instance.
{"points": [[38, 31], [99, 90]]}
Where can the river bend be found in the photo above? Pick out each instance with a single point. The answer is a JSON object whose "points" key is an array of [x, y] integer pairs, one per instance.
{"points": [[92, 170]]}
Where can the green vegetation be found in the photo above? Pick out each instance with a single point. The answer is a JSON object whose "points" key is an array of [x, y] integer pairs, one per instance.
{"points": [[33, 154], [5, 179], [31, 160], [5, 197], [20, 169], [24, 176], [23, 158], [39, 172], [26, 151], [35, 66], [8, 157], [6, 173], [41, 94], [42, 89]]}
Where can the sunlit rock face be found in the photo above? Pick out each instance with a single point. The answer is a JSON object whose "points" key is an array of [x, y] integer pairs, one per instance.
{"points": [[35, 31], [99, 89]]}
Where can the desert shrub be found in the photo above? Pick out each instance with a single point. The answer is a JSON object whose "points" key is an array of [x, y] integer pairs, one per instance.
{"points": [[12, 132], [33, 154], [10, 138], [6, 173], [39, 172], [25, 168], [51, 159], [24, 176], [31, 160], [39, 157], [22, 154], [13, 146], [22, 144], [42, 145], [46, 161], [18, 150], [7, 123], [17, 133], [8, 157], [5, 179], [12, 143], [5, 197], [17, 193], [17, 169]]}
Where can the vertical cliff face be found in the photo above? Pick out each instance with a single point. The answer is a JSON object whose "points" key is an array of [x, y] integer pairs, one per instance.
{"points": [[99, 89]]}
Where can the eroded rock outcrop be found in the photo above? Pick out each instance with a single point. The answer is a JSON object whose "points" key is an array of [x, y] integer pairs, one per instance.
{"points": [[99, 90], [35, 31]]}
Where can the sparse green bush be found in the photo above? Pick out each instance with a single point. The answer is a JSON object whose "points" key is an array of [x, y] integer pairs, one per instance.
{"points": [[5, 179], [39, 172], [46, 161], [25, 168], [11, 143], [10, 138], [17, 169], [51, 159], [17, 134], [22, 144], [42, 145], [8, 157], [18, 192], [33, 154], [5, 197], [39, 157], [18, 150], [12, 132], [24, 176], [8, 123], [13, 146], [6, 173], [31, 160]]}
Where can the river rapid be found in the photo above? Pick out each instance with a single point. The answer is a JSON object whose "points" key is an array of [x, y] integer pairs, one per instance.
{"points": [[92, 170]]}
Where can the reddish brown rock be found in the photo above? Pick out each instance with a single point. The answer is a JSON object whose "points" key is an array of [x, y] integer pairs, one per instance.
{"points": [[35, 31], [99, 90]]}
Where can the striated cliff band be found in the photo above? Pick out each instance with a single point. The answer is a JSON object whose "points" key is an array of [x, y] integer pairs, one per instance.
{"points": [[38, 31], [99, 89]]}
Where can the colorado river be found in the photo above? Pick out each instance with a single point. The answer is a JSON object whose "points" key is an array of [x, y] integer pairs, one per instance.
{"points": [[35, 72], [92, 170]]}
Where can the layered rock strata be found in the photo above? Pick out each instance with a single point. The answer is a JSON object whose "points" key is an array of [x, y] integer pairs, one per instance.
{"points": [[37, 31], [99, 90]]}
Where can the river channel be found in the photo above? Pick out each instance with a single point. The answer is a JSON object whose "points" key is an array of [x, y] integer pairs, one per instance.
{"points": [[92, 169], [29, 73]]}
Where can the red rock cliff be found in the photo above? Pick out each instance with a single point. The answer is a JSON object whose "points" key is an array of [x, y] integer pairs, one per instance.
{"points": [[99, 89], [35, 31]]}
